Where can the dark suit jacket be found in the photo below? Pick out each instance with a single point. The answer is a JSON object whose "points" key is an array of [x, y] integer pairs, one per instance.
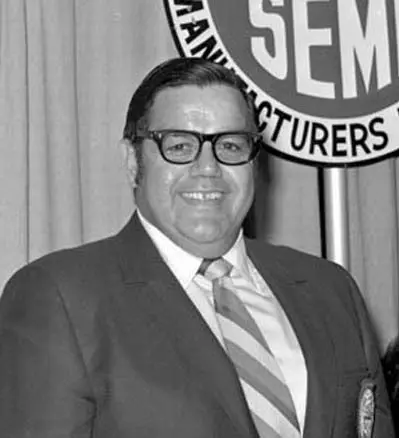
{"points": [[101, 341]]}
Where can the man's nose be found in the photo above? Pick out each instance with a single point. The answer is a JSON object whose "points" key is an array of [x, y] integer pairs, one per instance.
{"points": [[206, 163]]}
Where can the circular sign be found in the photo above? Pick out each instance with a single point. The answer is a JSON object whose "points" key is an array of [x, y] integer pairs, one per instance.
{"points": [[324, 73]]}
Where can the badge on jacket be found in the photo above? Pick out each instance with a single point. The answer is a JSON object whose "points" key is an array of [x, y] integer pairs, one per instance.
{"points": [[366, 409]]}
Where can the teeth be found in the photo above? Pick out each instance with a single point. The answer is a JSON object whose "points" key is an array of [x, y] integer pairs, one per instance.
{"points": [[201, 196]]}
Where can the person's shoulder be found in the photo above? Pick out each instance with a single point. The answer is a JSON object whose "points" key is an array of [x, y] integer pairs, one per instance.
{"points": [[331, 281], [85, 255], [69, 267], [295, 260], [327, 282]]}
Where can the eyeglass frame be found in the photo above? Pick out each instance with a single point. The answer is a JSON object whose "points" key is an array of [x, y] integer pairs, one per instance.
{"points": [[158, 135]]}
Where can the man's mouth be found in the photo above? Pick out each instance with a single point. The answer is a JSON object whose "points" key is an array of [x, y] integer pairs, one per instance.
{"points": [[202, 196]]}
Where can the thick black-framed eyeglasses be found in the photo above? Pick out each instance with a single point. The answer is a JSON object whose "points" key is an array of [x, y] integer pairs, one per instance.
{"points": [[182, 147]]}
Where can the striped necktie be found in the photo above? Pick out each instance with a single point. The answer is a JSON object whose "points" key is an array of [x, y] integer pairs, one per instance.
{"points": [[266, 392]]}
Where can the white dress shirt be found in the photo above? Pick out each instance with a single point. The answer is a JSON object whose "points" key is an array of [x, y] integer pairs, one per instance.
{"points": [[261, 303]]}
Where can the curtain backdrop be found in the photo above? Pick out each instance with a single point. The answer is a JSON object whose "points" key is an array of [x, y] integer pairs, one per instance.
{"points": [[67, 71]]}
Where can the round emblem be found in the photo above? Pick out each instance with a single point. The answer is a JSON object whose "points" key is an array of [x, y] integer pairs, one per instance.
{"points": [[324, 73]]}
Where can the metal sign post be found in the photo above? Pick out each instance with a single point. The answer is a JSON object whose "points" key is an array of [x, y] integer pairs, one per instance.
{"points": [[336, 215]]}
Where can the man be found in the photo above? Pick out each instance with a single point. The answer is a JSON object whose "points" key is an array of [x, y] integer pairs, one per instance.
{"points": [[179, 326]]}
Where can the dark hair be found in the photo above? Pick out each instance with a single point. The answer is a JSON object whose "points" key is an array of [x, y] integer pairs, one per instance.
{"points": [[175, 73], [390, 362]]}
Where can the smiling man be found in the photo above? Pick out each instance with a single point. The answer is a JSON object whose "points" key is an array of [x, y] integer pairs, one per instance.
{"points": [[179, 326]]}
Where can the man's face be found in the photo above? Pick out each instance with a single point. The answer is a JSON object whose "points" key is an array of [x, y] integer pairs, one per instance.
{"points": [[201, 205]]}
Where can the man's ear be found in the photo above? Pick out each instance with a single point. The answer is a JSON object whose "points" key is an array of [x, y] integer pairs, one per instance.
{"points": [[129, 157]]}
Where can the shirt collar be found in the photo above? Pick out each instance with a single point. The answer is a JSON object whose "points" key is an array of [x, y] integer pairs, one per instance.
{"points": [[237, 256], [185, 265]]}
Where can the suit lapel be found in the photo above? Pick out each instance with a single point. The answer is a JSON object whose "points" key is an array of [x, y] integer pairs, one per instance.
{"points": [[299, 300], [163, 298]]}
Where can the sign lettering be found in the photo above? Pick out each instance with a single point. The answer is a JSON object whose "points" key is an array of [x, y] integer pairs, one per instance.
{"points": [[324, 73]]}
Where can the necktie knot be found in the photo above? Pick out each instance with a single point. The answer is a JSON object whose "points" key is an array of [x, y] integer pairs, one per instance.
{"points": [[214, 269]]}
